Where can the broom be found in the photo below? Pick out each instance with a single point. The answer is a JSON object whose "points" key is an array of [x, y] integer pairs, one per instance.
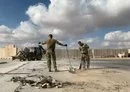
{"points": [[71, 69]]}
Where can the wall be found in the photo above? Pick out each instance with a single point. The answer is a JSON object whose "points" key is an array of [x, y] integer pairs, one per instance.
{"points": [[94, 53], [8, 51], [11, 50]]}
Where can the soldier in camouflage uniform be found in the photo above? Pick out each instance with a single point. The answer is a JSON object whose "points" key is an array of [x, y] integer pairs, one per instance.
{"points": [[84, 55], [50, 52]]}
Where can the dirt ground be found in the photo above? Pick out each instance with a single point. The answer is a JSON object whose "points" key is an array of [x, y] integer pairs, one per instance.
{"points": [[101, 77]]}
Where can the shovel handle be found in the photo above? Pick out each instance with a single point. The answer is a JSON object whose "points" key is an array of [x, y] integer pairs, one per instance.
{"points": [[68, 55]]}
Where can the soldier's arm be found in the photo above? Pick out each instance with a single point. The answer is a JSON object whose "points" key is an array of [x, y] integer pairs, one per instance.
{"points": [[86, 46], [41, 47], [44, 51], [44, 43], [60, 43]]}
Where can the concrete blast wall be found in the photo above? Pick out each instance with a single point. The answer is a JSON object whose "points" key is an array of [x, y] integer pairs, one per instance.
{"points": [[8, 51], [11, 50], [94, 53]]}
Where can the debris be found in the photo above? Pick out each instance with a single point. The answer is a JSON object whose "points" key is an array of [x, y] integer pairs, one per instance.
{"points": [[18, 88], [39, 81]]}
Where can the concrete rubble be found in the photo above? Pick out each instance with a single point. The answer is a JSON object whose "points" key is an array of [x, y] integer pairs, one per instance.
{"points": [[38, 81]]}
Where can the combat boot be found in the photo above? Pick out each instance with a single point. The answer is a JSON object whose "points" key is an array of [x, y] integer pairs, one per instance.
{"points": [[56, 70], [50, 70]]}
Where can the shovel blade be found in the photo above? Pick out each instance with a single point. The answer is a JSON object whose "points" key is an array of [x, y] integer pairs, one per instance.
{"points": [[72, 70]]}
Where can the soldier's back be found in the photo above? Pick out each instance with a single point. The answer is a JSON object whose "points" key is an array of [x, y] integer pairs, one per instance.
{"points": [[51, 44], [84, 49]]}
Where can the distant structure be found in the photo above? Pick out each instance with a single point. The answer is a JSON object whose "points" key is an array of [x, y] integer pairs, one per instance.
{"points": [[109, 53], [96, 53], [8, 51]]}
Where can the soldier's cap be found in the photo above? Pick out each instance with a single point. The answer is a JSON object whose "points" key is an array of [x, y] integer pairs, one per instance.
{"points": [[50, 35], [39, 43], [79, 42]]}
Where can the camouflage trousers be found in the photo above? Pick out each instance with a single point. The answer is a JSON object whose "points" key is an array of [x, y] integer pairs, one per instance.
{"points": [[84, 59], [51, 55]]}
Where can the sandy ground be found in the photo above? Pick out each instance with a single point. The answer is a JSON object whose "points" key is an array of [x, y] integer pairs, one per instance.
{"points": [[103, 76]]}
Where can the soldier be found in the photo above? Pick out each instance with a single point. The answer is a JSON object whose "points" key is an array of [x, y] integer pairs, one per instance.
{"points": [[50, 52], [84, 55]]}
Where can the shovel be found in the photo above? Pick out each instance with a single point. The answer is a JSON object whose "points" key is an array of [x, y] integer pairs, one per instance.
{"points": [[71, 69]]}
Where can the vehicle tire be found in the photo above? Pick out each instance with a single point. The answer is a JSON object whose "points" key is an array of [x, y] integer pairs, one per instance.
{"points": [[29, 59], [33, 59], [24, 59], [39, 58]]}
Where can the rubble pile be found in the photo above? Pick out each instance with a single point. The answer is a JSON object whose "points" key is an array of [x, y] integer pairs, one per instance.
{"points": [[40, 81]]}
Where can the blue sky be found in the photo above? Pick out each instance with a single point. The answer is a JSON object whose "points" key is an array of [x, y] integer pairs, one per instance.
{"points": [[101, 24], [12, 12]]}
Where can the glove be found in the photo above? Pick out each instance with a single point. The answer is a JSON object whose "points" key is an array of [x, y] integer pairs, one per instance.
{"points": [[65, 45]]}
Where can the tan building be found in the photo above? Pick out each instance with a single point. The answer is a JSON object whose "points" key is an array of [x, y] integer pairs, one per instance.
{"points": [[8, 51]]}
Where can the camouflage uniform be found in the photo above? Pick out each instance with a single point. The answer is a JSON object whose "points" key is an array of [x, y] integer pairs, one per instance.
{"points": [[84, 56], [50, 52]]}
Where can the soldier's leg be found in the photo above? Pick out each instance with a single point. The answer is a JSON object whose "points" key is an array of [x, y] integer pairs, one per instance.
{"points": [[49, 61], [54, 61], [88, 62], [80, 66], [84, 63]]}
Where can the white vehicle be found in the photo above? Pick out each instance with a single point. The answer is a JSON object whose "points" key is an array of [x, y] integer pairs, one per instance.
{"points": [[121, 55]]}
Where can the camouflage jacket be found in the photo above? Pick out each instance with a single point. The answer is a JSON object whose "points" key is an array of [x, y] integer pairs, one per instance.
{"points": [[84, 49], [51, 44]]}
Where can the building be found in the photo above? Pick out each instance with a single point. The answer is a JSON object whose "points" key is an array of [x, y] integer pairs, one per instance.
{"points": [[8, 51]]}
